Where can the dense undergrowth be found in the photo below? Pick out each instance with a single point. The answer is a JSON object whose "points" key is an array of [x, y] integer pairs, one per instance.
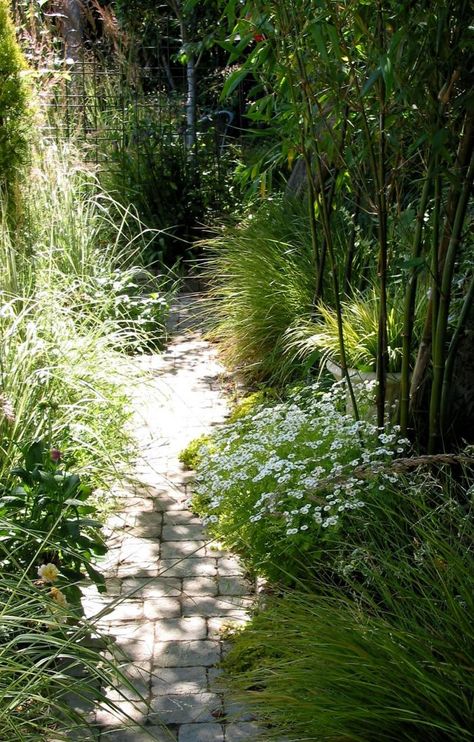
{"points": [[280, 484], [261, 273], [76, 304], [262, 306], [364, 633]]}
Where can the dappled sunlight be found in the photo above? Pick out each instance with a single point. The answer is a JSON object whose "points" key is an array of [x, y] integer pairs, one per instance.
{"points": [[174, 591]]}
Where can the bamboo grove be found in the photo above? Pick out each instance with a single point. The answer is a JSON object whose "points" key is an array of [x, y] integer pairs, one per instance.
{"points": [[374, 98]]}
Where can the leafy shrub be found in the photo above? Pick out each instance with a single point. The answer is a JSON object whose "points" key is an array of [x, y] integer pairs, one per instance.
{"points": [[135, 300], [393, 660], [262, 279], [146, 166], [281, 485], [14, 108], [49, 519]]}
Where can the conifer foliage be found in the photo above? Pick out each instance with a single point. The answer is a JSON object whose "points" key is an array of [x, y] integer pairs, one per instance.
{"points": [[14, 108]]}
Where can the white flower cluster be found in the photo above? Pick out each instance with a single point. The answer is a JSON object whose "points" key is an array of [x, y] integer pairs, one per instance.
{"points": [[302, 462]]}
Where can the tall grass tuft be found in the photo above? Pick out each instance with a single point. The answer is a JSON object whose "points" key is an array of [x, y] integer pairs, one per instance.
{"points": [[262, 278], [73, 297], [52, 673], [318, 337], [388, 658]]}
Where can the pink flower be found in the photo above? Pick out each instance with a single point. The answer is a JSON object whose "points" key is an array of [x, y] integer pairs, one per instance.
{"points": [[55, 455]]}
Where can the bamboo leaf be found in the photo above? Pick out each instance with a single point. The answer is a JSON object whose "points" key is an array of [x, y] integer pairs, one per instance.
{"points": [[334, 40], [371, 81], [230, 11], [387, 73], [234, 81], [414, 263], [316, 33]]}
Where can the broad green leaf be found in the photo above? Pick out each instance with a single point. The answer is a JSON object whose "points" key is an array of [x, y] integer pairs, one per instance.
{"points": [[96, 577], [72, 483], [72, 527], [334, 39], [387, 73], [34, 455], [89, 523], [414, 263]]}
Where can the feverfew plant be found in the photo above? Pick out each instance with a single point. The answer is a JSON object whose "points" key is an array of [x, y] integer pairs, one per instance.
{"points": [[280, 484]]}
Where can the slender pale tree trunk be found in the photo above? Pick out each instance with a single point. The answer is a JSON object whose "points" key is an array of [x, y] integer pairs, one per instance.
{"points": [[186, 22], [191, 105]]}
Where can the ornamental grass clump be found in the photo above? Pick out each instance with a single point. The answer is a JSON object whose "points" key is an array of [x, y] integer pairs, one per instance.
{"points": [[281, 485], [390, 658], [52, 672], [261, 275], [75, 302], [317, 338]]}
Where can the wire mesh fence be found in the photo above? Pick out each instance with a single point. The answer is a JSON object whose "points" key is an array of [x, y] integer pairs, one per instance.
{"points": [[105, 109]]}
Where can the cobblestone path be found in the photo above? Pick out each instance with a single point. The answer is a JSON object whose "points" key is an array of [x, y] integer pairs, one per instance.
{"points": [[175, 589]]}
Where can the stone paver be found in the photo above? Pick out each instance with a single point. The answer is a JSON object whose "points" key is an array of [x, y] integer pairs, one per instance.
{"points": [[183, 532], [176, 680], [137, 734], [173, 592], [184, 708], [239, 731], [190, 567], [187, 653], [180, 629], [201, 586]]}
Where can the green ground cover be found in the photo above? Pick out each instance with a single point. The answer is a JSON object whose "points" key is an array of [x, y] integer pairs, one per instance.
{"points": [[364, 633]]}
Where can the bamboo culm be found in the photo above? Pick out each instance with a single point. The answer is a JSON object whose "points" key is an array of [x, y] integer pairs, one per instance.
{"points": [[410, 297], [439, 337]]}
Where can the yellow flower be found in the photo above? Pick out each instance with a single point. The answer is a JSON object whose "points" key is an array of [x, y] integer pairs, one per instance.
{"points": [[58, 597], [48, 572]]}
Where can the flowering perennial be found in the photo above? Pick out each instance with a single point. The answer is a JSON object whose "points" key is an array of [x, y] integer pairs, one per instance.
{"points": [[285, 477], [48, 572]]}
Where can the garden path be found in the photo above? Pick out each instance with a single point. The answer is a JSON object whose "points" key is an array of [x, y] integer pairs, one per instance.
{"points": [[174, 589]]}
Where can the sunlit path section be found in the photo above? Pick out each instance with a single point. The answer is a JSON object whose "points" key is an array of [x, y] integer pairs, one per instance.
{"points": [[170, 590]]}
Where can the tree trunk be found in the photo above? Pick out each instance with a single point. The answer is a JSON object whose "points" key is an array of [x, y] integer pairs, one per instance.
{"points": [[420, 384], [461, 402], [71, 27], [190, 137]]}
